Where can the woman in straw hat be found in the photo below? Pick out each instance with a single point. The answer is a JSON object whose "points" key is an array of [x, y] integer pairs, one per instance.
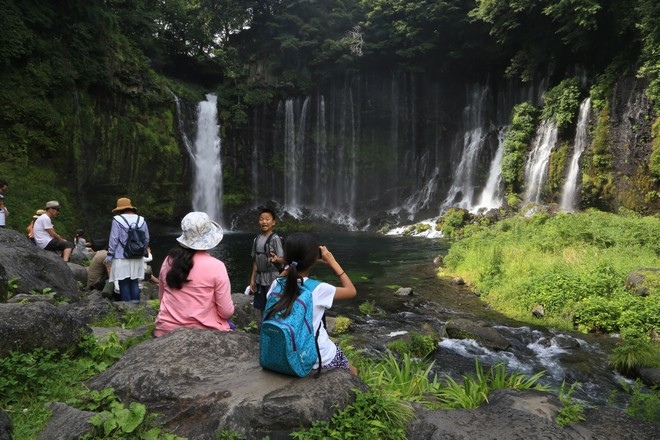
{"points": [[194, 286], [30, 227], [127, 271]]}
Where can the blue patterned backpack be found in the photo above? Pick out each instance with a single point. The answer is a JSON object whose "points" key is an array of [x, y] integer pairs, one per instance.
{"points": [[289, 345]]}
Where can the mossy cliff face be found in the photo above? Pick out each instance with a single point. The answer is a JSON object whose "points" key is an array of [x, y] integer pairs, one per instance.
{"points": [[129, 148], [618, 170], [107, 146]]}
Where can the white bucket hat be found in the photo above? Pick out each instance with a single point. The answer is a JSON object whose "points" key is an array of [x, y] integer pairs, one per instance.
{"points": [[199, 232]]}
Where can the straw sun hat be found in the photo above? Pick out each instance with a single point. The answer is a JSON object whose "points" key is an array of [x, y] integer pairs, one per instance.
{"points": [[38, 213], [123, 203], [199, 232]]}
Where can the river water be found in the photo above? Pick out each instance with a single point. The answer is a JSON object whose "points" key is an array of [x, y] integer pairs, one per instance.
{"points": [[379, 265]]}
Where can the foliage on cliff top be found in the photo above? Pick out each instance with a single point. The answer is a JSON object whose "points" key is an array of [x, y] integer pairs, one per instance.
{"points": [[574, 265]]}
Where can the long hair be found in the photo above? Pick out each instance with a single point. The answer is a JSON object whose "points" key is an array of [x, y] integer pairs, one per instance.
{"points": [[181, 261], [301, 250]]}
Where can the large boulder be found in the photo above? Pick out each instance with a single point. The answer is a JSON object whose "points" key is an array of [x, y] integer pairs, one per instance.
{"points": [[33, 268], [461, 328], [519, 415], [24, 327], [205, 381]]}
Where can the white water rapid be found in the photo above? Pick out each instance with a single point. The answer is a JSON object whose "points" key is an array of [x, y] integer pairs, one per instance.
{"points": [[207, 190], [536, 168], [569, 192]]}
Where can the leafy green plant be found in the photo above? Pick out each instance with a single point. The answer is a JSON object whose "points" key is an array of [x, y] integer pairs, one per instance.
{"points": [[342, 325], [12, 286], [118, 420], [371, 415], [415, 345], [367, 307], [561, 102], [44, 291], [572, 410], [644, 405], [516, 143], [230, 435]]}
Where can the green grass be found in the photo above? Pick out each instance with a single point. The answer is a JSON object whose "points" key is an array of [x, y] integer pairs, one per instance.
{"points": [[574, 265]]}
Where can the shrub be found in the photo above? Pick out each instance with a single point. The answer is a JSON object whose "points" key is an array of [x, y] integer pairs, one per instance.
{"points": [[562, 102], [516, 142], [636, 353], [416, 345], [372, 415]]}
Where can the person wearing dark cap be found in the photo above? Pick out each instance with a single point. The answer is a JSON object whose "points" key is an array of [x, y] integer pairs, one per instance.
{"points": [[44, 232], [127, 271]]}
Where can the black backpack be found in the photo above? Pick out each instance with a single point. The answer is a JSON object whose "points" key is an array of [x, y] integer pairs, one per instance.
{"points": [[136, 243]]}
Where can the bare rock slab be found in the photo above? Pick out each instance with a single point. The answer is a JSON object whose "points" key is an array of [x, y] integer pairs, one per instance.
{"points": [[204, 381]]}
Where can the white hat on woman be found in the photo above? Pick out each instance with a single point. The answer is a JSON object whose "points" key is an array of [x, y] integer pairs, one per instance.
{"points": [[199, 232]]}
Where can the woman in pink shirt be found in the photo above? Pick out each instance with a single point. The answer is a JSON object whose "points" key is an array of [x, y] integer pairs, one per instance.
{"points": [[194, 286]]}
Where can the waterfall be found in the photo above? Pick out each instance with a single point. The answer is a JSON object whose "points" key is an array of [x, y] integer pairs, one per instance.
{"points": [[207, 191], [321, 175], [295, 139], [491, 196], [186, 140], [536, 167], [462, 189], [569, 192]]}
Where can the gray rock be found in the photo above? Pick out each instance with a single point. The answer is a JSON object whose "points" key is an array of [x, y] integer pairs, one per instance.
{"points": [[538, 311], [245, 316], [404, 291], [24, 327], [521, 415], [79, 273], [66, 423], [24, 298], [35, 268], [90, 308], [650, 376], [466, 329], [641, 281], [6, 426], [458, 281], [202, 381]]}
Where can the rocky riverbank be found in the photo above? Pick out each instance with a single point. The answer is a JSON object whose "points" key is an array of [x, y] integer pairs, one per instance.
{"points": [[203, 381]]}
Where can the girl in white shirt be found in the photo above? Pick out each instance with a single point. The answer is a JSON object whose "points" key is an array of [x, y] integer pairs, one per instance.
{"points": [[301, 253]]}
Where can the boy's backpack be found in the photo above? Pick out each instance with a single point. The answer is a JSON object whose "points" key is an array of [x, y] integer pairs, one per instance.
{"points": [[262, 258], [289, 345], [136, 243]]}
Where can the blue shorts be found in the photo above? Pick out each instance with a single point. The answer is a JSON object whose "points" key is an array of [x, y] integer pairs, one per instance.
{"points": [[260, 297]]}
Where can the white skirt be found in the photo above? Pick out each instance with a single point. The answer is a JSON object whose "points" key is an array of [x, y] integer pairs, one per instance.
{"points": [[123, 268]]}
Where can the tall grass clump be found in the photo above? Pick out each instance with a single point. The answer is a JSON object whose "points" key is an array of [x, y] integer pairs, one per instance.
{"points": [[573, 265]]}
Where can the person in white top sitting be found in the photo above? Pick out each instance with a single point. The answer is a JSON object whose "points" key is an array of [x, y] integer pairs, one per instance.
{"points": [[44, 232]]}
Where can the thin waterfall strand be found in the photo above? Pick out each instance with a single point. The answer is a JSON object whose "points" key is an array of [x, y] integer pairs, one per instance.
{"points": [[569, 192], [536, 169], [491, 196]]}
